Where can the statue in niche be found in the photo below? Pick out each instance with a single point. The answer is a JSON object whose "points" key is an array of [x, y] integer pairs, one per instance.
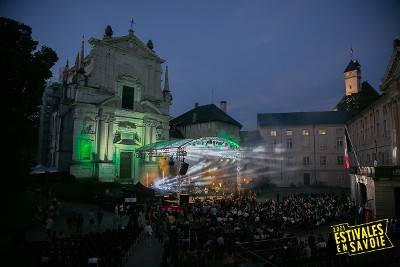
{"points": [[117, 137], [136, 138]]}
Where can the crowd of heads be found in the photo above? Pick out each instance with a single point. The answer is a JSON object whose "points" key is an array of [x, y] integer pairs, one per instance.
{"points": [[212, 227]]}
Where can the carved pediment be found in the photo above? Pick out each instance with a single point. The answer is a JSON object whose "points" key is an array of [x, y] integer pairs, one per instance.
{"points": [[130, 79], [129, 43]]}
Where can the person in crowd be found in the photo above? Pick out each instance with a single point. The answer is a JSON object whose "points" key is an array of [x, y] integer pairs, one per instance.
{"points": [[99, 219], [148, 230], [49, 226], [93, 261], [79, 224], [306, 252], [91, 220]]}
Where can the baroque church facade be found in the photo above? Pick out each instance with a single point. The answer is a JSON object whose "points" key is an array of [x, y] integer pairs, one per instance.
{"points": [[106, 106]]}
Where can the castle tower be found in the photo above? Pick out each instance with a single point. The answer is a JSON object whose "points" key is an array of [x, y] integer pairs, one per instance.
{"points": [[352, 77]]}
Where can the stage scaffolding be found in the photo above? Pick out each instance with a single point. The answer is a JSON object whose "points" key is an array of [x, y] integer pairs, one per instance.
{"points": [[177, 150]]}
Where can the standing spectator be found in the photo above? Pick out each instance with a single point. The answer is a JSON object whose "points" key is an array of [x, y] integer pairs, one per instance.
{"points": [[91, 220], [121, 211], [79, 223], [115, 220], [99, 219], [360, 214], [306, 252], [116, 209], [148, 230], [160, 230], [49, 226]]}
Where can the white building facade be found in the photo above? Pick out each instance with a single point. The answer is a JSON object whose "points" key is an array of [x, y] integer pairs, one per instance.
{"points": [[374, 131], [103, 109]]}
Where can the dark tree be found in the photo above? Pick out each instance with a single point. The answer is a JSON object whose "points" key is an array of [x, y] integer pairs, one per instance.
{"points": [[150, 44], [108, 31], [23, 74]]}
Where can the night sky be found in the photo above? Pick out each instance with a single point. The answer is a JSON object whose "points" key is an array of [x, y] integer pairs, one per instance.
{"points": [[260, 56]]}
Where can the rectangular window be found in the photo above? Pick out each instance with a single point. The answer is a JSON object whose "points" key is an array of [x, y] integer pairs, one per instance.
{"points": [[306, 143], [305, 132], [290, 161], [306, 161], [339, 131], [289, 143], [323, 176], [198, 126], [209, 125], [339, 142], [378, 130], [289, 132], [322, 160], [127, 97], [384, 133], [321, 131], [322, 143], [273, 144], [340, 176], [273, 133], [289, 178], [340, 161]]}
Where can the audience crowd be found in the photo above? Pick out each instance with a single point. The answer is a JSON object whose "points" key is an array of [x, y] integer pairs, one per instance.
{"points": [[224, 230]]}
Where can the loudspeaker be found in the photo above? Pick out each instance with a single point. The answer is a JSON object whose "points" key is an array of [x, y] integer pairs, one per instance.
{"points": [[184, 168], [184, 199]]}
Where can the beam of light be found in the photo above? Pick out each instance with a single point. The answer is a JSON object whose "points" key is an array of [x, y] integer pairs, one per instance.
{"points": [[211, 160]]}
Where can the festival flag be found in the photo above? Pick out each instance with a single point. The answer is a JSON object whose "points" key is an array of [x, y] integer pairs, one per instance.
{"points": [[347, 149]]}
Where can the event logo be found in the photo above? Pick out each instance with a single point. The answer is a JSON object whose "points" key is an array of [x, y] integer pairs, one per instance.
{"points": [[362, 238]]}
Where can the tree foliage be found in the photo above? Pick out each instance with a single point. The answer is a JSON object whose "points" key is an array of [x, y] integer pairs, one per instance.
{"points": [[24, 72]]}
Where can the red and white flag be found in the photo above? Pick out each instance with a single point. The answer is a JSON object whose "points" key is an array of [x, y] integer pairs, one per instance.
{"points": [[347, 150]]}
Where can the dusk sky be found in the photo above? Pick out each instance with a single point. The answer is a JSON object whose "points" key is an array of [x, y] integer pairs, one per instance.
{"points": [[259, 56]]}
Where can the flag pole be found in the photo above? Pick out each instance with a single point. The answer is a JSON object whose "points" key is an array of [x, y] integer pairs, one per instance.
{"points": [[347, 134]]}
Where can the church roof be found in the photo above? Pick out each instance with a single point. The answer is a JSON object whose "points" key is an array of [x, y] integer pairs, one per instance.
{"points": [[303, 118], [201, 114], [353, 65]]}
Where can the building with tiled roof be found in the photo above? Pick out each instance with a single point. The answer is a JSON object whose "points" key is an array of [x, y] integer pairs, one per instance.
{"points": [[206, 121]]}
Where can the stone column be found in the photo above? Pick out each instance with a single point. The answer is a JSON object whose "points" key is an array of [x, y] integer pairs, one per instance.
{"points": [[102, 138], [110, 141], [76, 140]]}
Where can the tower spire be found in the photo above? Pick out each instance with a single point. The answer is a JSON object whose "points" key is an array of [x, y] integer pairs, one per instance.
{"points": [[166, 82], [166, 93], [81, 55]]}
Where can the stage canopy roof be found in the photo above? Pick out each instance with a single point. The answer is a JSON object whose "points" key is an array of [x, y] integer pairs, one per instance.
{"points": [[180, 147]]}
